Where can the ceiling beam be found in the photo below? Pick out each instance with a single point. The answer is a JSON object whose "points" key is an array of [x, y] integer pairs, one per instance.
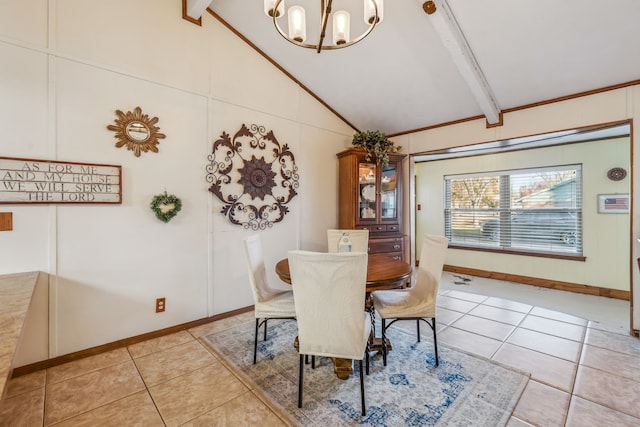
{"points": [[444, 23], [195, 8]]}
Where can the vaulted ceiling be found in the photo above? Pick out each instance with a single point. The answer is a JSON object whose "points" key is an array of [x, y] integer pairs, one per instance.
{"points": [[403, 76]]}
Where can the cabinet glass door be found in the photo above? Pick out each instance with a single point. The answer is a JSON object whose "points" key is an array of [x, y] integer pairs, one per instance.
{"points": [[388, 191], [367, 190]]}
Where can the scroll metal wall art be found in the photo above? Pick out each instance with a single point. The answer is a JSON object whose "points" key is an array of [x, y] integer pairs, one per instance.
{"points": [[253, 176]]}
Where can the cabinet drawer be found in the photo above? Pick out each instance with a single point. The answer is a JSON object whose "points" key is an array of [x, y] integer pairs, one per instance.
{"points": [[394, 255], [379, 228], [385, 245]]}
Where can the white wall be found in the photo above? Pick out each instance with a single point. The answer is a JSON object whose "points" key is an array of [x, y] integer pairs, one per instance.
{"points": [[606, 107], [67, 66]]}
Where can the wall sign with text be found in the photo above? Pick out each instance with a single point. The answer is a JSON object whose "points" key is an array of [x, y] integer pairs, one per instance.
{"points": [[49, 181]]}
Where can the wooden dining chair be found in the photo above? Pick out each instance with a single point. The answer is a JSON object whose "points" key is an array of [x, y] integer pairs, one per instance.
{"points": [[269, 303], [347, 240], [418, 302], [329, 291]]}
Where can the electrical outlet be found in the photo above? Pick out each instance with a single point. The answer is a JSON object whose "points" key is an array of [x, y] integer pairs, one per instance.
{"points": [[160, 305]]}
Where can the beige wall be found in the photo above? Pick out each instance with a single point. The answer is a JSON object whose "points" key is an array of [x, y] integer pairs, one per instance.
{"points": [[605, 237], [606, 107], [66, 67]]}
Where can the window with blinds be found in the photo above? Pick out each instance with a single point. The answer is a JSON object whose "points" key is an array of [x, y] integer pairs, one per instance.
{"points": [[528, 210]]}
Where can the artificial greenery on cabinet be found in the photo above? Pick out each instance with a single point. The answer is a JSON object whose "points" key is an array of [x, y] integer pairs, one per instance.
{"points": [[376, 145]]}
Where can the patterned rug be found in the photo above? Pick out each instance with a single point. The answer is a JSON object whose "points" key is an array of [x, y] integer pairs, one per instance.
{"points": [[464, 390]]}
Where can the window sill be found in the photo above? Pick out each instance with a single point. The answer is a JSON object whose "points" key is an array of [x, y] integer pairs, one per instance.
{"points": [[568, 257]]}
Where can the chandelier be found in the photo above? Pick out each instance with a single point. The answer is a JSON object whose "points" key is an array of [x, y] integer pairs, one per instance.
{"points": [[297, 31]]}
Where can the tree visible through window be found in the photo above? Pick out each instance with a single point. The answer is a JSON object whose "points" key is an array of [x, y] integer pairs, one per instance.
{"points": [[530, 210]]}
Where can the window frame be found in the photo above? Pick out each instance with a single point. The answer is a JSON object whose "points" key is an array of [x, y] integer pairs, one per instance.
{"points": [[506, 212]]}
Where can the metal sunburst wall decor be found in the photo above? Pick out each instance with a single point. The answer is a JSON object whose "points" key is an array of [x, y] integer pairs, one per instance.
{"points": [[253, 176], [136, 131]]}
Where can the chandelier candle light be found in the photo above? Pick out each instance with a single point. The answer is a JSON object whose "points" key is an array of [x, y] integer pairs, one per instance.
{"points": [[297, 34]]}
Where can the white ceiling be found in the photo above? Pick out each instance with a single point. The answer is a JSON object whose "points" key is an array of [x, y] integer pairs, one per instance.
{"points": [[401, 77]]}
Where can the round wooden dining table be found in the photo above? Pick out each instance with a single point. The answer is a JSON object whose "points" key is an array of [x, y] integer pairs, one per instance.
{"points": [[382, 273]]}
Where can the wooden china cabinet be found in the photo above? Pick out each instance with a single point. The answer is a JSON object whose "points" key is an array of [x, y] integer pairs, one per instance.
{"points": [[370, 197]]}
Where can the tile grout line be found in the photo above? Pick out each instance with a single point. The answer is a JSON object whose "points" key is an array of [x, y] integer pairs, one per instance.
{"points": [[511, 334], [146, 387], [106, 403], [231, 371], [575, 377]]}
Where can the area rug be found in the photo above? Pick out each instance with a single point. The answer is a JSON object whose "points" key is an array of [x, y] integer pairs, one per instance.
{"points": [[464, 390]]}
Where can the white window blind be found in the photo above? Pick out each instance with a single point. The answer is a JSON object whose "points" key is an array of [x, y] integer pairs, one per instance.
{"points": [[529, 210]]}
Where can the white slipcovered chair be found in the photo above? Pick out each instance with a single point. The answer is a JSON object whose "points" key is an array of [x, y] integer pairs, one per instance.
{"points": [[269, 303], [348, 240], [329, 292], [418, 302]]}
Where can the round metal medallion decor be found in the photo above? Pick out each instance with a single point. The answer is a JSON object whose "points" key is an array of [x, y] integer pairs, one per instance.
{"points": [[253, 176], [616, 174]]}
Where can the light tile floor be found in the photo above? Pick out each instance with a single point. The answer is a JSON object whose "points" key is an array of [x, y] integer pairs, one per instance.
{"points": [[583, 372]]}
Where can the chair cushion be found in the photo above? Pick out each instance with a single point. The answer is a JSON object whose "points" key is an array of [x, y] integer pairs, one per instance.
{"points": [[420, 299], [400, 303], [280, 304]]}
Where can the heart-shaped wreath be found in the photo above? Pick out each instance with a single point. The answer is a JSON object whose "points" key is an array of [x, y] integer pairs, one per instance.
{"points": [[166, 206]]}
